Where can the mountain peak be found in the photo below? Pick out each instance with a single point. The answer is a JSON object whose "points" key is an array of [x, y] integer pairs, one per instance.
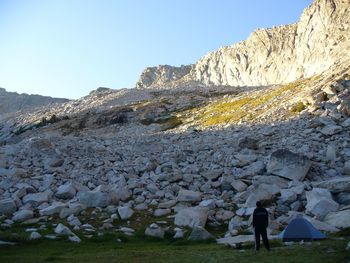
{"points": [[277, 55]]}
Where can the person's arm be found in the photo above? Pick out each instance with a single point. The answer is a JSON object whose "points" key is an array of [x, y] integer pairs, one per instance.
{"points": [[254, 219]]}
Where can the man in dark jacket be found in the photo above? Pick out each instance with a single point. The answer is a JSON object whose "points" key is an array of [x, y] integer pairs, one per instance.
{"points": [[260, 223]]}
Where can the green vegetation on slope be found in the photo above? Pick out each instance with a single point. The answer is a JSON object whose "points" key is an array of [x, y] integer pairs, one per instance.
{"points": [[249, 106]]}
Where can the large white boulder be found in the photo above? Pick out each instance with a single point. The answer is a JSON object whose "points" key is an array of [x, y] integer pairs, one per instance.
{"points": [[34, 235], [95, 198], [66, 191], [189, 196], [336, 185], [7, 206], [22, 215], [322, 226], [125, 212], [289, 165], [63, 230], [37, 198], [155, 231], [200, 233], [74, 239], [73, 209], [192, 216], [121, 193], [55, 208], [290, 195], [340, 219], [238, 185], [320, 202], [260, 192]]}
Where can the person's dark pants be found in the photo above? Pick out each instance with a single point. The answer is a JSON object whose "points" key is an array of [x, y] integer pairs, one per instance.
{"points": [[261, 231]]}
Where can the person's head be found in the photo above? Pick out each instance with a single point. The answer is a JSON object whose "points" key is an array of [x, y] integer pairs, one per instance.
{"points": [[259, 204]]}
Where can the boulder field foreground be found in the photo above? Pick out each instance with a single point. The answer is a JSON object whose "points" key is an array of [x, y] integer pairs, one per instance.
{"points": [[193, 148]]}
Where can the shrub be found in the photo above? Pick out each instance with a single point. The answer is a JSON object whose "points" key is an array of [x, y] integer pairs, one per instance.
{"points": [[298, 107]]}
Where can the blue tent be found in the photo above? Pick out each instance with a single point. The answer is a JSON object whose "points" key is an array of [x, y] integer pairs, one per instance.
{"points": [[301, 229]]}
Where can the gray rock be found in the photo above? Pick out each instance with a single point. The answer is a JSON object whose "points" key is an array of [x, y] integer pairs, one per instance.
{"points": [[291, 195], [346, 123], [37, 198], [199, 233], [336, 185], [125, 212], [322, 226], [339, 219], [192, 216], [239, 186], [6, 243], [262, 192], [253, 169], [73, 209], [161, 212], [330, 153], [343, 198], [167, 204], [121, 193], [73, 221], [55, 208], [74, 239], [7, 206], [347, 166], [23, 215], [63, 230], [248, 143], [179, 233], [155, 231], [271, 180], [245, 159], [66, 191], [210, 204], [141, 207], [189, 196], [223, 215], [296, 206], [320, 202], [289, 165], [94, 198], [34, 235], [236, 223], [331, 130]]}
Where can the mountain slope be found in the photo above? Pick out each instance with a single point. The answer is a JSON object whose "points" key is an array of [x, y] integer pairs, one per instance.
{"points": [[277, 55], [11, 101]]}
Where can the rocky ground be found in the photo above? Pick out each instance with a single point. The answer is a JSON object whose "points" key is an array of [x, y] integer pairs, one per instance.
{"points": [[148, 160], [179, 155]]}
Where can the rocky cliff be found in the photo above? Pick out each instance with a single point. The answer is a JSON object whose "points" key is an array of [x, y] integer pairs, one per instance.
{"points": [[270, 56], [12, 101]]}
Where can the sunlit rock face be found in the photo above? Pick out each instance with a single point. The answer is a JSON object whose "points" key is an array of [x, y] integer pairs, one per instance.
{"points": [[269, 56]]}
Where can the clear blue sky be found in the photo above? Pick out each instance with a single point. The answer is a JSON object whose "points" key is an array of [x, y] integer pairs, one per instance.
{"points": [[66, 48]]}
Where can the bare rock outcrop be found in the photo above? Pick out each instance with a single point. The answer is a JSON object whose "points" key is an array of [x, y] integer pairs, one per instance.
{"points": [[276, 55]]}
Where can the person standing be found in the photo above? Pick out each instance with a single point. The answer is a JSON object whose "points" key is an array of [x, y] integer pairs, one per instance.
{"points": [[260, 223]]}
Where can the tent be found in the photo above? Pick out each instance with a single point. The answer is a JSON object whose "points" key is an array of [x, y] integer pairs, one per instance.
{"points": [[301, 229]]}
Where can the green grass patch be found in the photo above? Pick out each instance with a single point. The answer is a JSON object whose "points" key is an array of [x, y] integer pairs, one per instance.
{"points": [[116, 247], [136, 250], [298, 107]]}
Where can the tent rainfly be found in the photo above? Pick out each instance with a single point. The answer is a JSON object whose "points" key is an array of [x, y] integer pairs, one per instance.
{"points": [[300, 229]]}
